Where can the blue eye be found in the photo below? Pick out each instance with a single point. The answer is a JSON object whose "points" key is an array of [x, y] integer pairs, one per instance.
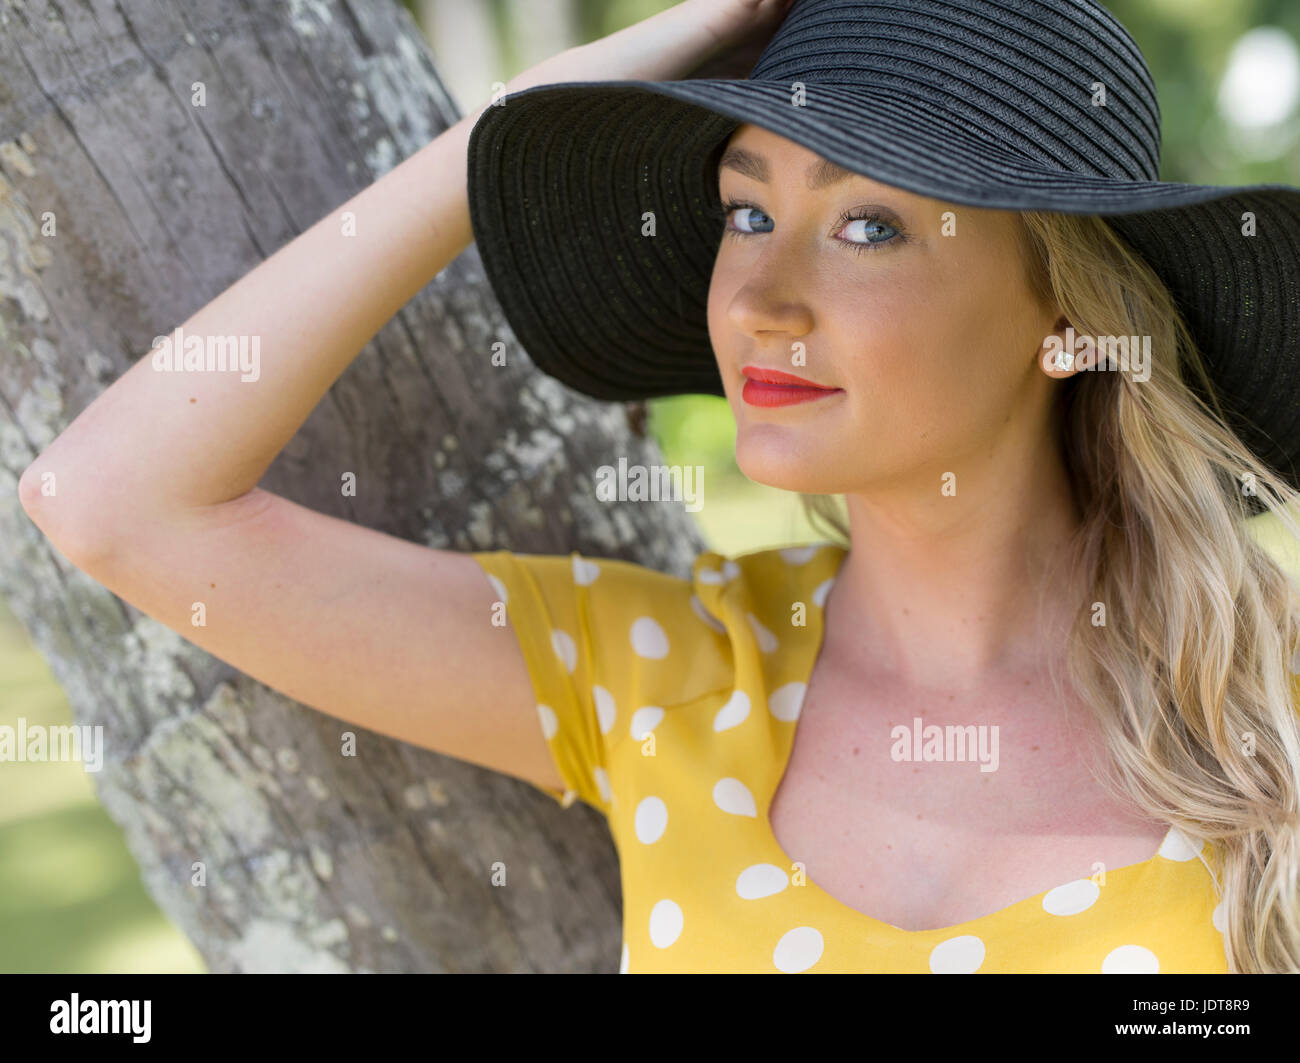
{"points": [[741, 209], [870, 223], [875, 231]]}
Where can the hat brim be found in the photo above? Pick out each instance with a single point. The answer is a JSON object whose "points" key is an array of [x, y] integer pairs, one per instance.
{"points": [[562, 178]]}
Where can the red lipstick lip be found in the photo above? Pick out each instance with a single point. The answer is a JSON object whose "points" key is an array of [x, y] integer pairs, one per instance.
{"points": [[772, 387], [775, 376]]}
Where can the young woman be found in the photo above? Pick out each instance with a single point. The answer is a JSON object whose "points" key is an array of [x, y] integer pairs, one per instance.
{"points": [[1041, 689]]}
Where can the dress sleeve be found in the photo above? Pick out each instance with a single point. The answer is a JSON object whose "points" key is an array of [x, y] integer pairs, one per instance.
{"points": [[589, 637]]}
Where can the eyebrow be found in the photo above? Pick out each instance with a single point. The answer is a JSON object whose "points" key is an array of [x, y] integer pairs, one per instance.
{"points": [[821, 174]]}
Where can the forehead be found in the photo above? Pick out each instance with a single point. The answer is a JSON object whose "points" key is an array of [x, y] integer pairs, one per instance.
{"points": [[766, 157], [763, 156], [758, 154], [750, 140], [820, 173]]}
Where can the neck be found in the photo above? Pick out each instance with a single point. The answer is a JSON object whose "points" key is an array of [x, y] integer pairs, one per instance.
{"points": [[943, 591]]}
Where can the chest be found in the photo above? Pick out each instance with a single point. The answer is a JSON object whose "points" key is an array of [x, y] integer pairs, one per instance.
{"points": [[920, 843]]}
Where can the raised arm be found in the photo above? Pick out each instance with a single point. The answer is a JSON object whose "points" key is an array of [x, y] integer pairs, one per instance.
{"points": [[158, 445], [156, 492]]}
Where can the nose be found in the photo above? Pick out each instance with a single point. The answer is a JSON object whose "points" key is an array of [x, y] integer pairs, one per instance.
{"points": [[769, 300]]}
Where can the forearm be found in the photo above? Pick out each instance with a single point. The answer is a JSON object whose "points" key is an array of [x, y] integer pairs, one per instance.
{"points": [[158, 442]]}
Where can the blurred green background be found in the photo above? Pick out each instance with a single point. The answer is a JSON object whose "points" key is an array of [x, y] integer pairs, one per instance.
{"points": [[71, 899]]}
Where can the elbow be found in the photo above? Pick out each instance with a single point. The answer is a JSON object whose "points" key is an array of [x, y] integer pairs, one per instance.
{"points": [[30, 489], [78, 537]]}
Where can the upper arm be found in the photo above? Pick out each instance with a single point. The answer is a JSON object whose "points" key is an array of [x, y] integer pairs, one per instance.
{"points": [[387, 634]]}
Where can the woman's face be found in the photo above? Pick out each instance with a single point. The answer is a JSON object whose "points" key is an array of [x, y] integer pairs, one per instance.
{"points": [[934, 341]]}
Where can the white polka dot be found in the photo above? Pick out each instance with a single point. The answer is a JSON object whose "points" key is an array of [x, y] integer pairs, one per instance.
{"points": [[733, 712], [798, 950], [565, 649], [625, 962], [959, 955], [665, 924], [549, 723], [1217, 917], [651, 820], [1130, 959], [1178, 846], [648, 638], [1072, 898], [584, 572], [730, 570], [823, 589], [602, 783], [761, 880], [606, 710], [766, 640], [645, 719], [732, 795], [499, 587], [569, 797], [785, 702], [799, 555], [706, 616]]}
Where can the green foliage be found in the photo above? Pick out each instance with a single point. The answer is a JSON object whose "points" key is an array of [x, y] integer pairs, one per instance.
{"points": [[695, 430], [1187, 44]]}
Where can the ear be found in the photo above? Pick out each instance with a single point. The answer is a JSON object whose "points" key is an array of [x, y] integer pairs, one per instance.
{"points": [[1058, 353]]}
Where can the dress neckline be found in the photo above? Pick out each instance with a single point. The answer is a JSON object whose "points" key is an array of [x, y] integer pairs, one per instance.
{"points": [[827, 900]]}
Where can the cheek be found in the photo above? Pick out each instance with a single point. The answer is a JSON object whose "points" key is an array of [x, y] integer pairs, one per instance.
{"points": [[721, 291], [931, 352], [900, 344], [929, 357]]}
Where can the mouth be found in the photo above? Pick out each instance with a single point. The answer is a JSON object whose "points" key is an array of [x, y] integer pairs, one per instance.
{"points": [[771, 387]]}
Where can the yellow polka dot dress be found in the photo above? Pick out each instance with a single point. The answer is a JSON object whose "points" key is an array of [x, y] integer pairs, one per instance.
{"points": [[670, 705]]}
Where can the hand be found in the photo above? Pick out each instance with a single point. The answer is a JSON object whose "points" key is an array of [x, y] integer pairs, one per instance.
{"points": [[695, 39], [739, 30]]}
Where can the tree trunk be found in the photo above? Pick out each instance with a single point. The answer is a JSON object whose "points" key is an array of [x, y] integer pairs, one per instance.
{"points": [[125, 207]]}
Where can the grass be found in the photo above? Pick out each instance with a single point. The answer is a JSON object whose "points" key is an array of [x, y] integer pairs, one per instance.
{"points": [[71, 898]]}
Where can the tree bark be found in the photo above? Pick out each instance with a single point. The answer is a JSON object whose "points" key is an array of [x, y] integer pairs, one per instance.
{"points": [[124, 208]]}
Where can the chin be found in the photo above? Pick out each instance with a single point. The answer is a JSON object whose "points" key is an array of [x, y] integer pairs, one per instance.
{"points": [[769, 455]]}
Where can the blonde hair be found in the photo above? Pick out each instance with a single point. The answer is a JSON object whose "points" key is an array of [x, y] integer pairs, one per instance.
{"points": [[1190, 673]]}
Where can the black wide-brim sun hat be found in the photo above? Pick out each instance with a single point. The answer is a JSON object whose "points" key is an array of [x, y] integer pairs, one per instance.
{"points": [[986, 103]]}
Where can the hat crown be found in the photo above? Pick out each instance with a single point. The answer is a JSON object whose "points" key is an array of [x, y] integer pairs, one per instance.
{"points": [[1059, 81]]}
